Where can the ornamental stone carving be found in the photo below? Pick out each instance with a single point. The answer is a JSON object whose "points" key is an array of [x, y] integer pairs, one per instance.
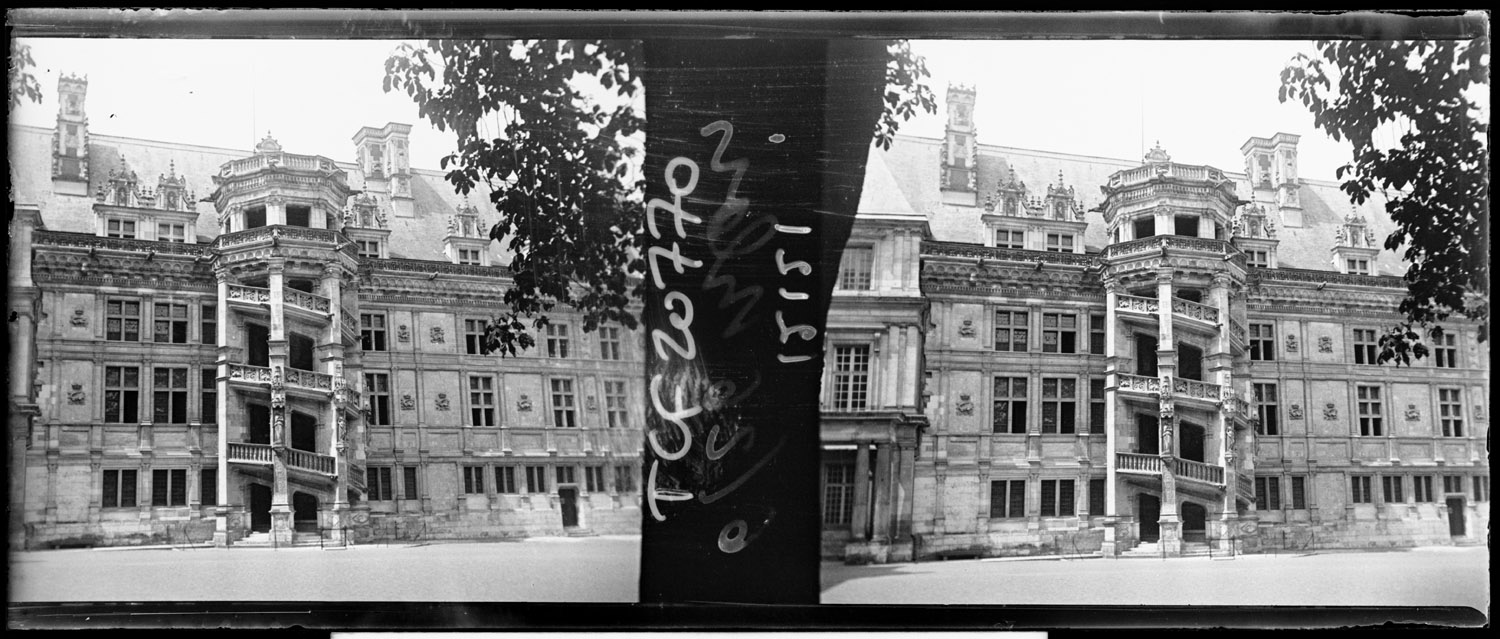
{"points": [[78, 318], [967, 329], [1295, 412], [1412, 414], [408, 403], [965, 406], [523, 404], [343, 432], [1167, 410], [1330, 412], [591, 403], [1167, 427], [278, 389], [403, 334], [75, 396], [1291, 343], [435, 335], [442, 401], [1325, 344]]}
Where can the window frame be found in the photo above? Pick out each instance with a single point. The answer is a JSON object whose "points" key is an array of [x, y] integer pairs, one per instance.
{"points": [[1360, 489], [483, 401], [129, 395], [1011, 502], [1063, 493], [1451, 411], [473, 478], [558, 340], [1267, 409], [611, 347], [372, 338], [1015, 239], [1062, 333], [1370, 410], [168, 487], [616, 404], [860, 275], [1060, 242], [1262, 338], [1015, 334], [122, 488], [1366, 350], [560, 408], [1064, 407], [379, 485], [852, 378], [124, 317], [378, 396], [169, 404], [1268, 492], [474, 335], [838, 492], [1016, 396]]}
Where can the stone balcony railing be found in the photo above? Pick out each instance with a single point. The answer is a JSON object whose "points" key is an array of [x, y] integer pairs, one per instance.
{"points": [[293, 378], [349, 323], [1135, 304], [1198, 471], [314, 462], [308, 380], [251, 453], [1237, 332], [249, 294], [1138, 463], [248, 373], [1195, 311], [1138, 384], [1194, 389], [307, 301]]}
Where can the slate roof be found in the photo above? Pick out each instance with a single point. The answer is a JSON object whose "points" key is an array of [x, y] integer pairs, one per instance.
{"points": [[914, 165]]}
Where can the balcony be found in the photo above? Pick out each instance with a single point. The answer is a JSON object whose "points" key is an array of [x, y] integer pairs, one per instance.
{"points": [[249, 296], [349, 324], [1138, 384], [1132, 306], [308, 305], [306, 382], [1193, 390], [1137, 463], [1198, 471], [1195, 316], [1144, 464], [265, 455]]}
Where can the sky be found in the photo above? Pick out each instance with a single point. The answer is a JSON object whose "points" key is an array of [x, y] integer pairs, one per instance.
{"points": [[1200, 99]]}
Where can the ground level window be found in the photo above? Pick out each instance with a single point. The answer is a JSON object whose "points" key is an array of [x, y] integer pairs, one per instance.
{"points": [[1057, 498], [1007, 498], [838, 493], [119, 489]]}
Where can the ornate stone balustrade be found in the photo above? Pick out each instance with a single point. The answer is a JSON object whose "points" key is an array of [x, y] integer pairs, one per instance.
{"points": [[292, 161], [1194, 310], [1148, 305], [308, 380], [310, 461], [1194, 389], [80, 240], [1237, 405], [308, 301], [1198, 471], [1237, 332], [247, 373], [249, 294], [974, 251], [1305, 276], [1138, 384], [251, 453], [1138, 463]]}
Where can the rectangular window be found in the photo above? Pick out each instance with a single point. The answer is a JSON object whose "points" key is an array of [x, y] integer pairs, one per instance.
{"points": [[1185, 225], [557, 341], [1057, 498], [1421, 489], [1010, 405], [120, 228], [1370, 423], [593, 479], [474, 336], [208, 487], [208, 324], [838, 493], [372, 331], [1009, 239], [563, 413], [255, 217], [169, 487], [367, 248], [855, 268], [1358, 267], [122, 321], [1007, 499], [851, 377], [378, 391], [625, 478], [1059, 333], [565, 475], [379, 480], [119, 489], [609, 343], [1260, 259], [1365, 346], [536, 479], [1451, 412], [1096, 497], [1143, 227], [1360, 484], [1097, 406], [1445, 353], [409, 481], [1267, 410], [1453, 484], [1263, 342], [1010, 331], [171, 233], [481, 400], [1059, 243], [474, 480], [1390, 487], [505, 479], [468, 256], [615, 411], [208, 397], [169, 388], [1096, 334], [1268, 493], [1059, 397], [1299, 492], [298, 215], [170, 323], [1481, 488], [122, 392]]}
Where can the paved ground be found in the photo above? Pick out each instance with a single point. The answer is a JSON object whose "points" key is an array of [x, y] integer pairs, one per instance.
{"points": [[589, 569], [1439, 576]]}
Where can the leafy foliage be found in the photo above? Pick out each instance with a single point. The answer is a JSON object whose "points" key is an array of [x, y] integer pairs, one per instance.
{"points": [[560, 168], [1435, 180], [22, 83]]}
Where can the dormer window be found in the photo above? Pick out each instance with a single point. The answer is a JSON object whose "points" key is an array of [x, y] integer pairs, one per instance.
{"points": [[120, 228], [1358, 267], [469, 256], [1260, 259], [368, 248], [1011, 239], [1059, 243], [171, 233]]}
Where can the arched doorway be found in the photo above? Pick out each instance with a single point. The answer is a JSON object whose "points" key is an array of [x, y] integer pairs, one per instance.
{"points": [[1148, 510], [260, 508], [1194, 522], [304, 512]]}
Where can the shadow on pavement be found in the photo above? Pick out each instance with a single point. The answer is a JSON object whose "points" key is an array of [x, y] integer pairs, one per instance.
{"points": [[834, 573]]}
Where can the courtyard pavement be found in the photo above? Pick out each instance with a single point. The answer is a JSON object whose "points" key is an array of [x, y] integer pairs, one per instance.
{"points": [[541, 569], [1436, 576]]}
